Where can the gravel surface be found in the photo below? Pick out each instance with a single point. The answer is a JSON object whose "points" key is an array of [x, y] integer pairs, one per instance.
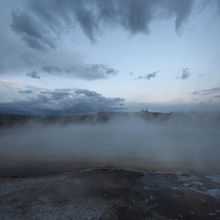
{"points": [[111, 193]]}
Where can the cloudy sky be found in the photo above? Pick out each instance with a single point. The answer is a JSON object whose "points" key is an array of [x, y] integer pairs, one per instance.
{"points": [[81, 56]]}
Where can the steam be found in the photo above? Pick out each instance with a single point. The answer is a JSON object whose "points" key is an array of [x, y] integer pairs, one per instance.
{"points": [[190, 142]]}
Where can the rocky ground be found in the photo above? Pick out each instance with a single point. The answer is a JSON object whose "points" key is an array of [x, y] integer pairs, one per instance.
{"points": [[111, 193]]}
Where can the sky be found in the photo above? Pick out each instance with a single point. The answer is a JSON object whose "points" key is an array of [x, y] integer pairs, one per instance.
{"points": [[84, 56]]}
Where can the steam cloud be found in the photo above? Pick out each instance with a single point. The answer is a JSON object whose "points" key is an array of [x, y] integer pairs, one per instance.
{"points": [[180, 143]]}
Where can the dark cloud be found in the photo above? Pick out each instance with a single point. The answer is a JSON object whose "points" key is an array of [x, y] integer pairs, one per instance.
{"points": [[61, 102], [51, 69], [40, 21], [149, 75], [31, 31], [205, 92], [34, 74], [16, 58], [185, 74]]}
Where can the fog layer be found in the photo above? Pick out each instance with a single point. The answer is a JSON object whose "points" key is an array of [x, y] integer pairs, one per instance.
{"points": [[178, 143]]}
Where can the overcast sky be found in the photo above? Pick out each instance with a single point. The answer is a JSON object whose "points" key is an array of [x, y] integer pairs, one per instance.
{"points": [[81, 56]]}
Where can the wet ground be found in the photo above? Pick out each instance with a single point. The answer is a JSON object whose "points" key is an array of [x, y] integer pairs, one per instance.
{"points": [[111, 193]]}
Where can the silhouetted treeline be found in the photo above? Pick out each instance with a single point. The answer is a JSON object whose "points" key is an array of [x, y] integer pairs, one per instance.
{"points": [[101, 117]]}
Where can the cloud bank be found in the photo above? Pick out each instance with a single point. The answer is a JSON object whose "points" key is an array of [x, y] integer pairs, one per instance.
{"points": [[36, 101]]}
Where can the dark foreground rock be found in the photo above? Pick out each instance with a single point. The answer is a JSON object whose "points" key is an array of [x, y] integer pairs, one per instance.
{"points": [[110, 193]]}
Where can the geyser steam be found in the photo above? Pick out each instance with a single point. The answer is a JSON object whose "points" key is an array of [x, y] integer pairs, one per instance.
{"points": [[177, 143]]}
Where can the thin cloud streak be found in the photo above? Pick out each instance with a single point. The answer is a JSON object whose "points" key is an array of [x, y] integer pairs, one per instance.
{"points": [[205, 92]]}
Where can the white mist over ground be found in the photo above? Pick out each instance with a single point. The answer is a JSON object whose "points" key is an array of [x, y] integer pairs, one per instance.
{"points": [[180, 143]]}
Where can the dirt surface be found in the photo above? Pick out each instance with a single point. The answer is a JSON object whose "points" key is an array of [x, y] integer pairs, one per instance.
{"points": [[111, 193]]}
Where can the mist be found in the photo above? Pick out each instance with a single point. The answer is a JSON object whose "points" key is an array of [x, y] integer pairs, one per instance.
{"points": [[181, 142]]}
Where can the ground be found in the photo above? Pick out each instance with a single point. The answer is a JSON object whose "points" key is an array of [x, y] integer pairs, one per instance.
{"points": [[111, 193]]}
